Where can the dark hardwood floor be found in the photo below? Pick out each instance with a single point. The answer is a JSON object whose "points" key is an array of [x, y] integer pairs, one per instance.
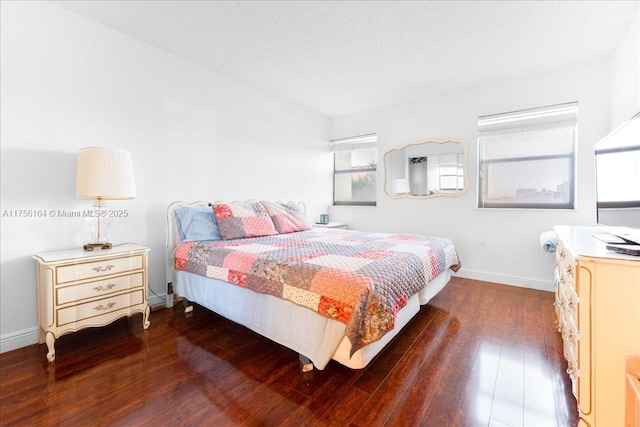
{"points": [[480, 354]]}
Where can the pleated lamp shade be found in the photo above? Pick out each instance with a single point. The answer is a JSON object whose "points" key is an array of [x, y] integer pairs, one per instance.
{"points": [[105, 173], [401, 186]]}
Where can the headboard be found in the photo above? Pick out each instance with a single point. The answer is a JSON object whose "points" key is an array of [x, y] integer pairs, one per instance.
{"points": [[172, 241]]}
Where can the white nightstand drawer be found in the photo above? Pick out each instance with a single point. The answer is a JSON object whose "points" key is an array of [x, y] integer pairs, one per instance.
{"points": [[76, 293], [78, 289], [99, 307], [88, 270]]}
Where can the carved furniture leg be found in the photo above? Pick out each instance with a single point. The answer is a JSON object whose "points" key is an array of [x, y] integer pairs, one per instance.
{"points": [[305, 363], [188, 307], [145, 317], [51, 340]]}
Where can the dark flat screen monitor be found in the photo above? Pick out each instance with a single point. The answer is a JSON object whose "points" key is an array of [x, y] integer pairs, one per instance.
{"points": [[618, 181]]}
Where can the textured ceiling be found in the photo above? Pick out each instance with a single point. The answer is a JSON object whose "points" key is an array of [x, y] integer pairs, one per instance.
{"points": [[339, 58]]}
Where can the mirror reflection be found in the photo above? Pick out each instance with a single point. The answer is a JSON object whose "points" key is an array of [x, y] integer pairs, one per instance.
{"points": [[430, 168]]}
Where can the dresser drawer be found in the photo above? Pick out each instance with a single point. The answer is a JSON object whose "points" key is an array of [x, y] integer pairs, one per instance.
{"points": [[567, 268], [78, 289], [89, 270], [98, 288], [571, 335], [565, 263], [570, 301], [570, 345], [79, 312], [573, 371]]}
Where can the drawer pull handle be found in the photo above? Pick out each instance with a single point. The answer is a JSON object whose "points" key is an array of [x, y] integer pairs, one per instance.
{"points": [[101, 288], [102, 307], [100, 269]]}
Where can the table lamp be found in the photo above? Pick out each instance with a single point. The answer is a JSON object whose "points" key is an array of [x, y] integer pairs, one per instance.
{"points": [[103, 174], [401, 186]]}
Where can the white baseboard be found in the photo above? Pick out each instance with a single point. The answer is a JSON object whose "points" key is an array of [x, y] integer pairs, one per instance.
{"points": [[29, 336], [15, 340], [522, 282], [157, 300], [26, 337]]}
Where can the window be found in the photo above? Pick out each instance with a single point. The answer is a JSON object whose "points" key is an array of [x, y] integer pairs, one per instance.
{"points": [[355, 162], [527, 158], [451, 173]]}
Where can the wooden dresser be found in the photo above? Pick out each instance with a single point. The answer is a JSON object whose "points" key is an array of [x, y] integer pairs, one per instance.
{"points": [[598, 314], [633, 392], [78, 289]]}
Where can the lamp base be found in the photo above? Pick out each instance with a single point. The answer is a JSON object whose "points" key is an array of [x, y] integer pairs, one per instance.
{"points": [[91, 246]]}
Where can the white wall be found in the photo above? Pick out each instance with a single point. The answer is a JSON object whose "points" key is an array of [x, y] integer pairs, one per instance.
{"points": [[625, 76], [68, 82], [496, 245]]}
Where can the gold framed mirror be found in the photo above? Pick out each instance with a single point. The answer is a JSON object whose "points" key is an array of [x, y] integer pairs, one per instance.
{"points": [[424, 169]]}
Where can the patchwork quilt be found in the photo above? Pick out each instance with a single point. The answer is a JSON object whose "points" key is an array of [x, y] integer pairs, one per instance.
{"points": [[359, 278]]}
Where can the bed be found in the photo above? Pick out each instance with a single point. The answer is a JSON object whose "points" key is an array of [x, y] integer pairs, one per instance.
{"points": [[324, 293]]}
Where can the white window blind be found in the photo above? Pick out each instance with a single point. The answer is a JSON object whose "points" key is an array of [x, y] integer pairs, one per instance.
{"points": [[360, 142], [528, 120]]}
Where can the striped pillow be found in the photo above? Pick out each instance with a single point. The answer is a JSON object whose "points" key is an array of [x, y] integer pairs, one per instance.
{"points": [[287, 217], [243, 219]]}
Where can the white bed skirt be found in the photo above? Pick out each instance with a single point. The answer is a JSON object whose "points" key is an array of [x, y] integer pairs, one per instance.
{"points": [[298, 328]]}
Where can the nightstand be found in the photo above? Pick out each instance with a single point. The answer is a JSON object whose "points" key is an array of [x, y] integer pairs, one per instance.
{"points": [[332, 224], [79, 289]]}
